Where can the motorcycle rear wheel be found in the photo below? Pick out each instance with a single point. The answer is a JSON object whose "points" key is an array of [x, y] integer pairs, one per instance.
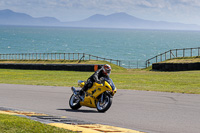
{"points": [[74, 102], [105, 105]]}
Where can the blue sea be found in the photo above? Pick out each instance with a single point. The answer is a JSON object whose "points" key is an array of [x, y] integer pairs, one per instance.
{"points": [[128, 45]]}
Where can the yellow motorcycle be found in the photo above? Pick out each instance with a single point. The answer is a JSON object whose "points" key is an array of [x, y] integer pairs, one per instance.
{"points": [[98, 96]]}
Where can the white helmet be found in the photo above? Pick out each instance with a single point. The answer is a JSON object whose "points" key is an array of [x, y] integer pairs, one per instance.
{"points": [[107, 69]]}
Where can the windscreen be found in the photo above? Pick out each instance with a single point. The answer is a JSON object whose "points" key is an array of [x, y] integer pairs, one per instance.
{"points": [[109, 80]]}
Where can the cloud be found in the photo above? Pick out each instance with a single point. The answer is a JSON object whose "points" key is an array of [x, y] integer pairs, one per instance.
{"points": [[194, 3], [102, 5]]}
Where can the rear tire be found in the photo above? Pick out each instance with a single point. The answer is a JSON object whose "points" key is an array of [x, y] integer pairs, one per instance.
{"points": [[74, 102], [103, 107]]}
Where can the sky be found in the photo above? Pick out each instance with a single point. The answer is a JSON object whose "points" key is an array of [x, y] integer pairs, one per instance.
{"points": [[184, 11]]}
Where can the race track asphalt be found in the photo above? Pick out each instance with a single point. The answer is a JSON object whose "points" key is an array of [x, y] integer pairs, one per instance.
{"points": [[152, 112]]}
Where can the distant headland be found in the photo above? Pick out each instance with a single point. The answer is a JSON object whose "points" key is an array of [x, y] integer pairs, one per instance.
{"points": [[116, 20]]}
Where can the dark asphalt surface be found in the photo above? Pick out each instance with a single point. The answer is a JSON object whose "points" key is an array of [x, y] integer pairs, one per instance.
{"points": [[153, 112]]}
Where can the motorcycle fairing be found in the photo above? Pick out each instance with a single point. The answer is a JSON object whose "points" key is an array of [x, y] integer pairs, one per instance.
{"points": [[92, 94]]}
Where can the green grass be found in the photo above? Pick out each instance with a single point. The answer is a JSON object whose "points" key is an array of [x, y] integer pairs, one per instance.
{"points": [[180, 82], [39, 77], [15, 124], [192, 59], [136, 79], [55, 61]]}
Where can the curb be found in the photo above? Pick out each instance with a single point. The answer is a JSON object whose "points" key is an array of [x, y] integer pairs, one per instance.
{"points": [[67, 123]]}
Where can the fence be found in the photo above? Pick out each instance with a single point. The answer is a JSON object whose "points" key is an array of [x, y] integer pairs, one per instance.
{"points": [[133, 64], [174, 53], [72, 57], [55, 56]]}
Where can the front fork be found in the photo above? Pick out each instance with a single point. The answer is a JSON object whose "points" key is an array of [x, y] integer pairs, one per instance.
{"points": [[74, 91], [102, 96]]}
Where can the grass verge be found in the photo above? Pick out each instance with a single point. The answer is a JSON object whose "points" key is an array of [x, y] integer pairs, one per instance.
{"points": [[193, 59], [135, 79], [16, 124]]}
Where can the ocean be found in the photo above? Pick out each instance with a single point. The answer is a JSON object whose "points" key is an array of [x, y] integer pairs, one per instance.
{"points": [[132, 46]]}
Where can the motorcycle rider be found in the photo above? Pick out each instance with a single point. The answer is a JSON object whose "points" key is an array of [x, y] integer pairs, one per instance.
{"points": [[102, 72]]}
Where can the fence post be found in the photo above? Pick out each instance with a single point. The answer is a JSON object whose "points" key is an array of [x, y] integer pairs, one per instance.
{"points": [[198, 51], [170, 54], [156, 59], [183, 52], [165, 55], [176, 53], [147, 63], [161, 57], [191, 52]]}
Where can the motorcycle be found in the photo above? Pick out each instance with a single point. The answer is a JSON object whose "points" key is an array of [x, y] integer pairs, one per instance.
{"points": [[98, 96]]}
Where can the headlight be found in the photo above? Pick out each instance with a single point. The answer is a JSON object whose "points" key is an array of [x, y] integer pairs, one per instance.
{"points": [[114, 91]]}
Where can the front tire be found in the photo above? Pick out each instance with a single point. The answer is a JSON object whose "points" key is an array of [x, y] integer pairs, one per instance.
{"points": [[105, 105], [74, 102]]}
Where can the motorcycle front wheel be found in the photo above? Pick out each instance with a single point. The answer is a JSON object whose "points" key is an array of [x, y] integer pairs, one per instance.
{"points": [[74, 102], [103, 106]]}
